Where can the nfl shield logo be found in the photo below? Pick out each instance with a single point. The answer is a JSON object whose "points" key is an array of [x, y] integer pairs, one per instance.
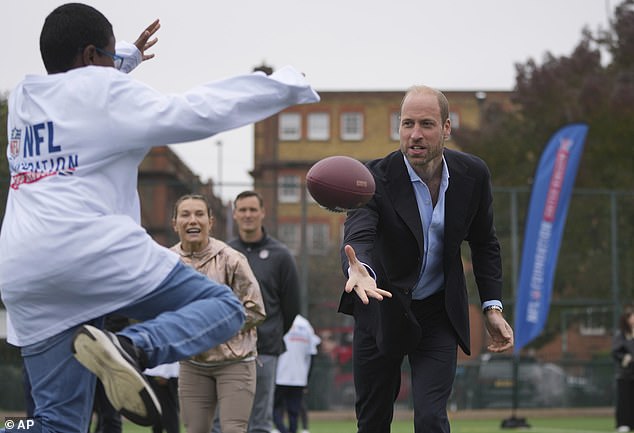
{"points": [[14, 148], [14, 144]]}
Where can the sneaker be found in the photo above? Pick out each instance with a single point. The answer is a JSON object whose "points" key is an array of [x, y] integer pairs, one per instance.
{"points": [[120, 372], [623, 429]]}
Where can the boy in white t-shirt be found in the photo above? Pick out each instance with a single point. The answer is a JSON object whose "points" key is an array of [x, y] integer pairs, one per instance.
{"points": [[293, 367], [71, 246]]}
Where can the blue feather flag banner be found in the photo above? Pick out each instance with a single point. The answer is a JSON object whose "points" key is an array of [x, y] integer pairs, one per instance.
{"points": [[550, 197]]}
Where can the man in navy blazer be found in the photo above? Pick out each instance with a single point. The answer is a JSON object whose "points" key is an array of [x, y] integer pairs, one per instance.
{"points": [[403, 260]]}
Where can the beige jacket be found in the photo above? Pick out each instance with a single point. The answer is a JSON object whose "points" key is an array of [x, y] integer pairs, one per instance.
{"points": [[222, 263]]}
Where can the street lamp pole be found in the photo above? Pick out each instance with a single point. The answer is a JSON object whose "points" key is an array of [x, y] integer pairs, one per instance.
{"points": [[219, 144], [481, 97]]}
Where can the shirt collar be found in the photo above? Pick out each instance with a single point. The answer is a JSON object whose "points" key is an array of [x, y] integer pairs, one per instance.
{"points": [[414, 177]]}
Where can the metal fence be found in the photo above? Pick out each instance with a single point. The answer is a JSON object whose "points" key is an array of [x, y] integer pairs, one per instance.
{"points": [[595, 271], [485, 383]]}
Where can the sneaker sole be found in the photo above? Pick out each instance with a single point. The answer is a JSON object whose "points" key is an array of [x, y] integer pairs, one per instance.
{"points": [[126, 388]]}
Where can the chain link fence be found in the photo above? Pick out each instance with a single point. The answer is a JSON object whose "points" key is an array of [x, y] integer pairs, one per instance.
{"points": [[568, 366]]}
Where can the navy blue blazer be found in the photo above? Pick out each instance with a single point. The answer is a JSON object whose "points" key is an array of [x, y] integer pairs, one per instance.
{"points": [[386, 234]]}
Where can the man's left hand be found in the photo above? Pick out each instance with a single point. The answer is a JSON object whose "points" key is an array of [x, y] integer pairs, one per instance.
{"points": [[500, 331]]}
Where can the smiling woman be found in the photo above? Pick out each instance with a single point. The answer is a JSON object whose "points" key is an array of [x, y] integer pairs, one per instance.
{"points": [[227, 371], [192, 221]]}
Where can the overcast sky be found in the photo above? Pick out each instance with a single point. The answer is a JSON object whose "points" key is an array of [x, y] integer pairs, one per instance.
{"points": [[338, 44]]}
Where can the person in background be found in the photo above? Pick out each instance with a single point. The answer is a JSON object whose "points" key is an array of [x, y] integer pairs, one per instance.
{"points": [[164, 381], [623, 354], [275, 270], [108, 419], [293, 367], [406, 285], [72, 249], [303, 410], [225, 375]]}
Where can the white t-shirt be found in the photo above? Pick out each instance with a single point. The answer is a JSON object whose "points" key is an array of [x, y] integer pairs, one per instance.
{"points": [[294, 364], [166, 371], [71, 244]]}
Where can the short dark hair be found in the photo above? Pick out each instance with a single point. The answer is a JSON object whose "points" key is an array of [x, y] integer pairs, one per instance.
{"points": [[67, 31], [245, 194]]}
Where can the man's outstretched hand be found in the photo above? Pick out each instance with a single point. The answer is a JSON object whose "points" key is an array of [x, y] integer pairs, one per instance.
{"points": [[360, 280]]}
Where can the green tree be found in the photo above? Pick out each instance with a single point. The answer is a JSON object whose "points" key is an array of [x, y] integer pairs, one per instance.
{"points": [[582, 87], [593, 85]]}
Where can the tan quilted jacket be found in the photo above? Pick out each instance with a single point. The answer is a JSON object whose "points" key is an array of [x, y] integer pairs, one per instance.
{"points": [[222, 263]]}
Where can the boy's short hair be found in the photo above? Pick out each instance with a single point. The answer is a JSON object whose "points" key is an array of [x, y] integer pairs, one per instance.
{"points": [[67, 31]]}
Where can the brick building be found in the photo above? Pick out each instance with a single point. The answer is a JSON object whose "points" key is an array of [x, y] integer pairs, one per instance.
{"points": [[163, 178], [360, 124], [363, 125]]}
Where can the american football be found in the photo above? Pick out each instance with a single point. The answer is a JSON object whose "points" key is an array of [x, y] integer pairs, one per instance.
{"points": [[340, 183]]}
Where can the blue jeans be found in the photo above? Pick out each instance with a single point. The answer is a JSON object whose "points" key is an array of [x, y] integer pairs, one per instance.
{"points": [[187, 314], [261, 420]]}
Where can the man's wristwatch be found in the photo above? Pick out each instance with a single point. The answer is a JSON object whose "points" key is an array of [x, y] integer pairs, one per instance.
{"points": [[492, 307]]}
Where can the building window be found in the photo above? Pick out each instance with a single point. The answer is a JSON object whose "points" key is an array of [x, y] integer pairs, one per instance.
{"points": [[318, 238], [290, 235], [290, 126], [288, 189], [455, 119], [318, 126], [351, 126], [395, 122]]}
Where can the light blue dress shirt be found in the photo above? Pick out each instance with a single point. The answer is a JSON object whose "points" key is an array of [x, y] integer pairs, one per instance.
{"points": [[432, 278]]}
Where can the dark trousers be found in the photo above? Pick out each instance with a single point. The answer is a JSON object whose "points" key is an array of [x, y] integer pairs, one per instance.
{"points": [[377, 377], [303, 412], [108, 419], [625, 402], [288, 399], [166, 391]]}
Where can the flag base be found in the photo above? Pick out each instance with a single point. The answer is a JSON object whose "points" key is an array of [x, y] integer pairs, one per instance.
{"points": [[515, 422]]}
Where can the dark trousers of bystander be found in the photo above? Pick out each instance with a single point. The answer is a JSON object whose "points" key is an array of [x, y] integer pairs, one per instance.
{"points": [[625, 403], [288, 400]]}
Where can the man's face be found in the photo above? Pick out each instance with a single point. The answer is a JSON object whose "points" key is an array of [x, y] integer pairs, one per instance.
{"points": [[248, 214], [422, 131]]}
